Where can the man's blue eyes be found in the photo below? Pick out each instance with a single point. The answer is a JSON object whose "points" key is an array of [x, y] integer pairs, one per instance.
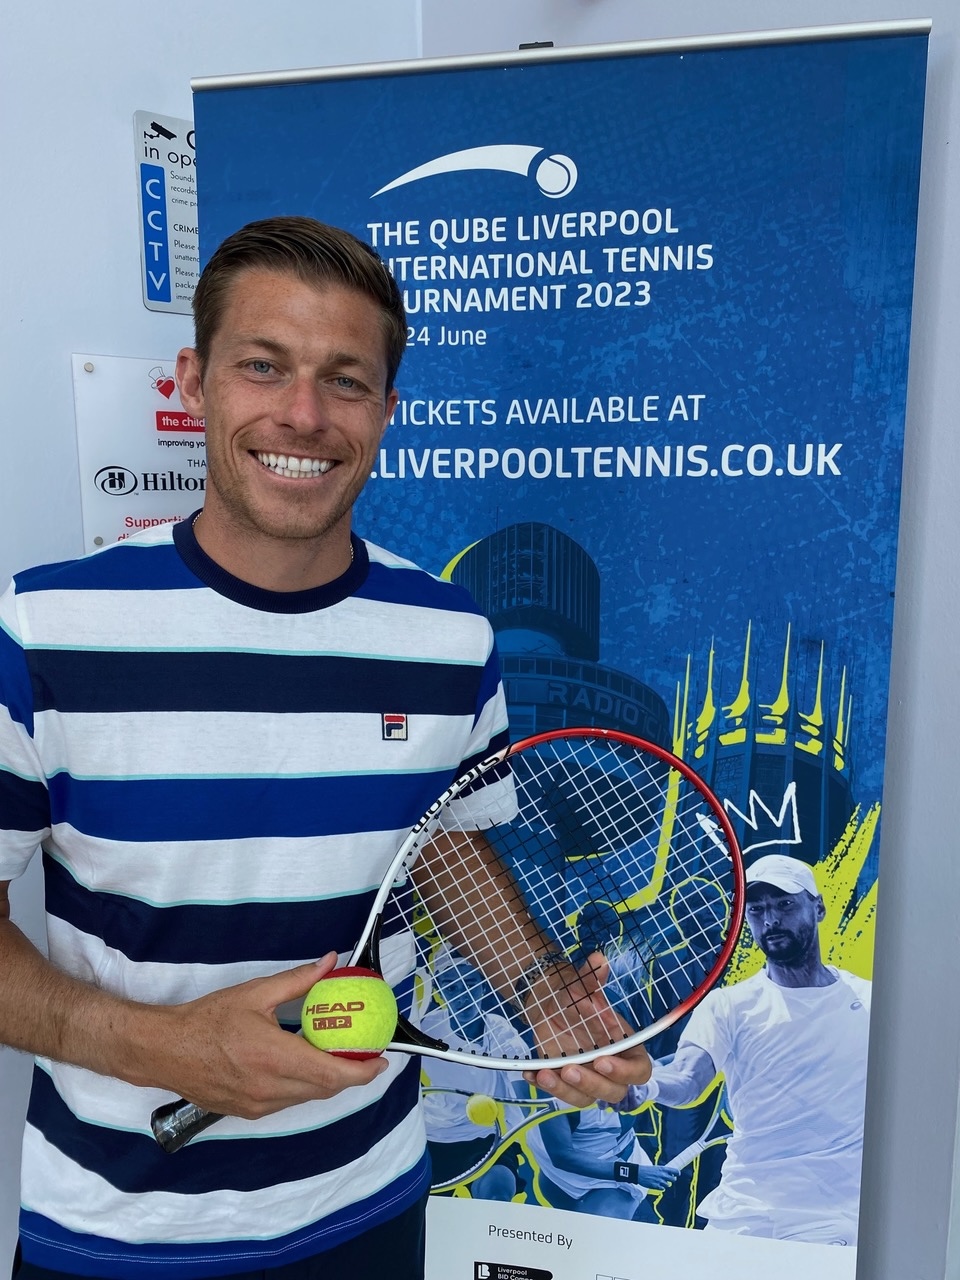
{"points": [[265, 366]]}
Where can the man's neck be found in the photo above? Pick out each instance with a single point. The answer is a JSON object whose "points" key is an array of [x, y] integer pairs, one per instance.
{"points": [[813, 973], [280, 564]]}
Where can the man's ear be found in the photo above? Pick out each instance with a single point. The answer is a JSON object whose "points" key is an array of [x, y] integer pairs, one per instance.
{"points": [[393, 399], [821, 909], [190, 382]]}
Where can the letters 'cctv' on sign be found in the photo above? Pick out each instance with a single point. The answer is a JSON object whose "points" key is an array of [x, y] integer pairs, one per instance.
{"points": [[166, 160]]}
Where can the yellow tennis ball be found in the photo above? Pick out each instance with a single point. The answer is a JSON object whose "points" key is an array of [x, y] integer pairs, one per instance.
{"points": [[351, 1012], [481, 1110]]}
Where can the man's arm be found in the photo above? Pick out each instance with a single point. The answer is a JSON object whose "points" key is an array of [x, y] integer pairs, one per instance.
{"points": [[559, 1139], [225, 1051], [677, 1083], [477, 904]]}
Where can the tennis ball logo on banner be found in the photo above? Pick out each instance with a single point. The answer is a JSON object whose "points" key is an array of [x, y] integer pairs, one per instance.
{"points": [[555, 175]]}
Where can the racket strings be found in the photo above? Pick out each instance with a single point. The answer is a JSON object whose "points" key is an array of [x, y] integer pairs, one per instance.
{"points": [[610, 859], [627, 807]]}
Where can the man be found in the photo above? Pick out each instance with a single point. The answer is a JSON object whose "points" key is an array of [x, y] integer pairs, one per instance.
{"points": [[194, 727], [791, 1042]]}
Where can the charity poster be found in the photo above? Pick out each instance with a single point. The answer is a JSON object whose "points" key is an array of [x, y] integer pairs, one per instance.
{"points": [[142, 457], [652, 416]]}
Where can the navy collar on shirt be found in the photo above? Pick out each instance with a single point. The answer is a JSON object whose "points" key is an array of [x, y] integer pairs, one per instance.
{"points": [[225, 584]]}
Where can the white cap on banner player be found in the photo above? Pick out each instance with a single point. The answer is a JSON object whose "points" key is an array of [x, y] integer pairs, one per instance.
{"points": [[789, 874]]}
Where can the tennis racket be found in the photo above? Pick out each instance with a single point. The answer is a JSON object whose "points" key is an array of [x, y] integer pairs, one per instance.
{"points": [[587, 883], [715, 1133]]}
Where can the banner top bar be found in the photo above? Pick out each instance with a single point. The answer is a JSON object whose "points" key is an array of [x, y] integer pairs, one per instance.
{"points": [[786, 35]]}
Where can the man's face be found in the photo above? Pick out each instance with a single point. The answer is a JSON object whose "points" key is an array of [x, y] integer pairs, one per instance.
{"points": [[295, 405], [785, 925]]}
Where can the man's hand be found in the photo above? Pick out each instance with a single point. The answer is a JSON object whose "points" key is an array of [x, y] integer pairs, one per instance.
{"points": [[569, 1012], [225, 1051], [228, 1053], [657, 1177], [606, 1079]]}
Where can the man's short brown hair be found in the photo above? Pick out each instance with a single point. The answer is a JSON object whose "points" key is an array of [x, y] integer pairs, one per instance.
{"points": [[315, 253]]}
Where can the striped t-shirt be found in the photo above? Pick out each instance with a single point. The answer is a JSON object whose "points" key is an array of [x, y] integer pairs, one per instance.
{"points": [[218, 776]]}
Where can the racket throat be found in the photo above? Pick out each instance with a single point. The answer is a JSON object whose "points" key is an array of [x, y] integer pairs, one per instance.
{"points": [[406, 1033]]}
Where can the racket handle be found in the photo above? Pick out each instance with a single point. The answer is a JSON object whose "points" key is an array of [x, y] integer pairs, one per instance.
{"points": [[688, 1154], [177, 1123]]}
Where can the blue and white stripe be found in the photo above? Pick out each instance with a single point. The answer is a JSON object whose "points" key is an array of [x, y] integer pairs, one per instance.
{"points": [[205, 769]]}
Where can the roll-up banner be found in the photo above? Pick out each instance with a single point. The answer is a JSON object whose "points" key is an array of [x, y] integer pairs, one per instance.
{"points": [[652, 415]]}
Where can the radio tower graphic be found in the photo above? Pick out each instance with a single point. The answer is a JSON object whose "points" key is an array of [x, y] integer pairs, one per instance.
{"points": [[780, 767], [541, 592]]}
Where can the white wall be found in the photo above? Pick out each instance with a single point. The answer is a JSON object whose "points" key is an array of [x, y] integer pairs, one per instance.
{"points": [[71, 77], [911, 1195]]}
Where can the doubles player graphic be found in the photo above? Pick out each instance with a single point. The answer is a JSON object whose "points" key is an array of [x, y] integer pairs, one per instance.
{"points": [[791, 1042]]}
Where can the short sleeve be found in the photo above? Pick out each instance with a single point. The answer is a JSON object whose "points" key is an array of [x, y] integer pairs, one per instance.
{"points": [[491, 800], [710, 1028], [24, 798]]}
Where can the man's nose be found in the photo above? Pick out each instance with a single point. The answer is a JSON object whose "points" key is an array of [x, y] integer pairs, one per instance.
{"points": [[303, 407]]}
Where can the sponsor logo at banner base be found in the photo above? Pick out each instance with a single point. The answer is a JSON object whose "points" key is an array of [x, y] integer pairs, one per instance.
{"points": [[508, 1271]]}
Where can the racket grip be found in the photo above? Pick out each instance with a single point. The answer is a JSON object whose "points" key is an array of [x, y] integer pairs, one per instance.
{"points": [[688, 1154], [177, 1123]]}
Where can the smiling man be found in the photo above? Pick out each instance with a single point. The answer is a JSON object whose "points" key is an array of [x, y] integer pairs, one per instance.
{"points": [[791, 1042], [199, 728], [296, 385]]}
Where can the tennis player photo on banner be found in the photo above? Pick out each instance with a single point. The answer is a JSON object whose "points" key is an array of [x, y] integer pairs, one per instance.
{"points": [[651, 416]]}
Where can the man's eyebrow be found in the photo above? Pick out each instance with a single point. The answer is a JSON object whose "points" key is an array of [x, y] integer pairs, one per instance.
{"points": [[255, 340], [350, 358], [270, 345]]}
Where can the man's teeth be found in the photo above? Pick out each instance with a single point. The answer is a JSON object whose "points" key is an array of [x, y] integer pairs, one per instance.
{"points": [[285, 465]]}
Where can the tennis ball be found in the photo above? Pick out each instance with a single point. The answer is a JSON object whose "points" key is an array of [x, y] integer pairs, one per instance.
{"points": [[481, 1110], [351, 1012]]}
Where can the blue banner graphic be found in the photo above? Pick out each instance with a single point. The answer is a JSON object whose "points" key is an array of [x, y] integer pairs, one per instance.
{"points": [[652, 416]]}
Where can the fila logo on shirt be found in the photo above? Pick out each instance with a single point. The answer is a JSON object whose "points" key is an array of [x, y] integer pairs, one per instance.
{"points": [[394, 727]]}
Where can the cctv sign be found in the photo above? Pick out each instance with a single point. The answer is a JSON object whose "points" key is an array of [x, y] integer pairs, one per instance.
{"points": [[166, 159]]}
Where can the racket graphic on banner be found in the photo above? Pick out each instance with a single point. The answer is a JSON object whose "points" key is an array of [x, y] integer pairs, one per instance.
{"points": [[715, 1134], [492, 1112], [599, 901]]}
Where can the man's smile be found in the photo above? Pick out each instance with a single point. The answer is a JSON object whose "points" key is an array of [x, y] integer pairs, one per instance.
{"points": [[283, 464]]}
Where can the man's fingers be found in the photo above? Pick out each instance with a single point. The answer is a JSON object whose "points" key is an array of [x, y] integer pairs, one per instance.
{"points": [[278, 988], [229, 1053], [595, 970], [332, 1073], [630, 1066], [593, 1024], [260, 1068], [606, 1079], [575, 1086]]}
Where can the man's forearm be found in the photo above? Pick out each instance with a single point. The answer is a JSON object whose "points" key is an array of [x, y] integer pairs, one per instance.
{"points": [[478, 905], [47, 1012], [225, 1050], [674, 1084], [674, 1088]]}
